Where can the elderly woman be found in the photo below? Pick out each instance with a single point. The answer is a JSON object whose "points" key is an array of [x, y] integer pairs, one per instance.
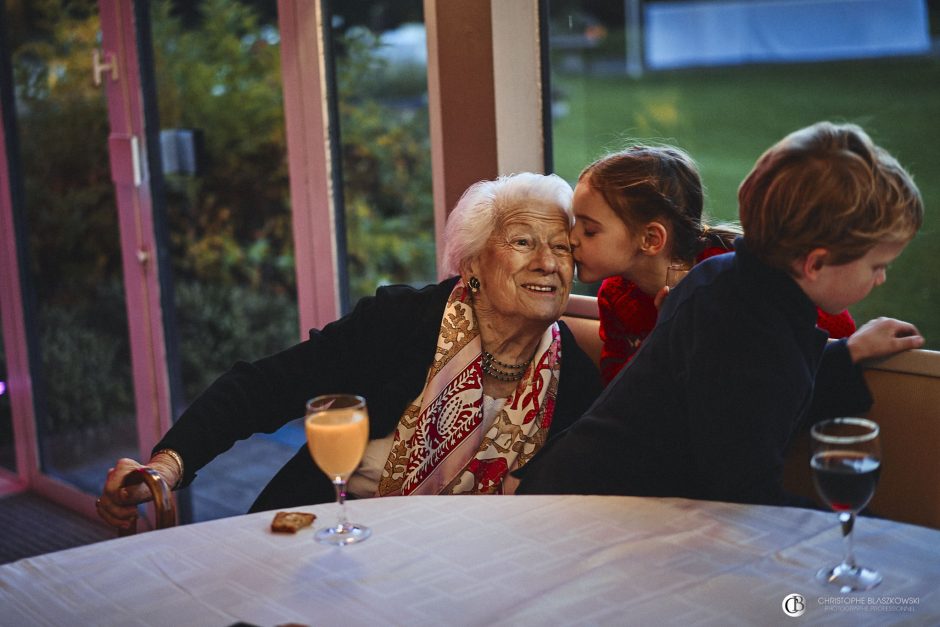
{"points": [[465, 380]]}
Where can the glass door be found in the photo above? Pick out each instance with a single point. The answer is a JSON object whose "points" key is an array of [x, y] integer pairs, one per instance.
{"points": [[85, 416], [90, 295]]}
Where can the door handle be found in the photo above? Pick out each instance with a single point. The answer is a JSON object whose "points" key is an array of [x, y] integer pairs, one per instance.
{"points": [[98, 67]]}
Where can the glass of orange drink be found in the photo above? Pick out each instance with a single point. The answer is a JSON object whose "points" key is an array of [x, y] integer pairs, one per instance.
{"points": [[337, 428]]}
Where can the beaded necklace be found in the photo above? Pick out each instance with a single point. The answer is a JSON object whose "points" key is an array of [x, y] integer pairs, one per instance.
{"points": [[503, 371]]}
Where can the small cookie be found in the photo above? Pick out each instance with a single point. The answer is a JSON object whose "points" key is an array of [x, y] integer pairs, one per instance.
{"points": [[291, 522]]}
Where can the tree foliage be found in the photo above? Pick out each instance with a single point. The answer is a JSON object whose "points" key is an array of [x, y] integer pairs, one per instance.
{"points": [[386, 168], [230, 224], [217, 70]]}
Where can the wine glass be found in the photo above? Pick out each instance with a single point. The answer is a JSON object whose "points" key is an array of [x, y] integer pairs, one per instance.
{"points": [[337, 428], [846, 463]]}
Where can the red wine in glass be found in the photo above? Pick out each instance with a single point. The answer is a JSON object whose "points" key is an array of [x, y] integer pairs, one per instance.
{"points": [[845, 480]]}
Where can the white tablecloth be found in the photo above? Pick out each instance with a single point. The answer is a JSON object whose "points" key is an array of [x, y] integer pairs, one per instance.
{"points": [[520, 560]]}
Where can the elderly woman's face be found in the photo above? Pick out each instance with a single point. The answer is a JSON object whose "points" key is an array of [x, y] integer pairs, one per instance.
{"points": [[526, 268]]}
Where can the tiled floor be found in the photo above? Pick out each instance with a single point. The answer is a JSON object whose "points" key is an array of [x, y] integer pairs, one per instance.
{"points": [[31, 525]]}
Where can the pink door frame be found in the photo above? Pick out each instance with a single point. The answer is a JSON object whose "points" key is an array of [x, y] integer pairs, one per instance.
{"points": [[19, 382], [308, 152]]}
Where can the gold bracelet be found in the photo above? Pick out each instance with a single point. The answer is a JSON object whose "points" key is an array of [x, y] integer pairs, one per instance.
{"points": [[179, 464]]}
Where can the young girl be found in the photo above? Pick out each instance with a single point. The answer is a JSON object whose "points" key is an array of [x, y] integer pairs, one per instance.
{"points": [[638, 212]]}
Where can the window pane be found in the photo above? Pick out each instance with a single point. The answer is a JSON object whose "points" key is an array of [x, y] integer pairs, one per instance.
{"points": [[82, 381], [226, 197], [380, 60], [727, 114]]}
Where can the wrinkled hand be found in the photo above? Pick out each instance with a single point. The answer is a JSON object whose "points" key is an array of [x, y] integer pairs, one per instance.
{"points": [[117, 506], [882, 337]]}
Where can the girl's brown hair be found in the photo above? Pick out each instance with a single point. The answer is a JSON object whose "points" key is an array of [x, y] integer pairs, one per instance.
{"points": [[644, 183]]}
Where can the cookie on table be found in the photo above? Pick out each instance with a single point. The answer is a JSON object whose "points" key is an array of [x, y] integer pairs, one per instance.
{"points": [[291, 522]]}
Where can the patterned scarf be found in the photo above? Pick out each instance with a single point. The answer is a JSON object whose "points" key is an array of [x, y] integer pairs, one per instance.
{"points": [[441, 444]]}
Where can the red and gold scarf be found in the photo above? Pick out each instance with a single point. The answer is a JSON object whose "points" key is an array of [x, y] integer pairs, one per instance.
{"points": [[441, 444]]}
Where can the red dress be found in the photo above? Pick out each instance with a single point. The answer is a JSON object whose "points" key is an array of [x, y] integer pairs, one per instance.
{"points": [[628, 315]]}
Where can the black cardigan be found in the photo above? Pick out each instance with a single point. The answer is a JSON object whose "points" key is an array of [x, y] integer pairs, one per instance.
{"points": [[381, 350]]}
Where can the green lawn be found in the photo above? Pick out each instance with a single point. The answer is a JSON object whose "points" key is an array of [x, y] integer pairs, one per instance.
{"points": [[726, 117]]}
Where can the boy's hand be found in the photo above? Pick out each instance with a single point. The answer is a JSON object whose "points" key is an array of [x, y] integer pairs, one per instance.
{"points": [[882, 337]]}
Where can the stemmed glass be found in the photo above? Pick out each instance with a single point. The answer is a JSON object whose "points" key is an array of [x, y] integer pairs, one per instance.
{"points": [[846, 463], [337, 428]]}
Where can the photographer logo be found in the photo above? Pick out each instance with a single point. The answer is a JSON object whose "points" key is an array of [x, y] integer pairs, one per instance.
{"points": [[794, 605]]}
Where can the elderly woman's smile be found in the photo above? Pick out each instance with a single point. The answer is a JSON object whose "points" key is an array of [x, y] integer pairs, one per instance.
{"points": [[528, 268], [539, 288]]}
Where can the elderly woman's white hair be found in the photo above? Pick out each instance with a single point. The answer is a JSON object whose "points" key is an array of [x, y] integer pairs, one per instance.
{"points": [[484, 204]]}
